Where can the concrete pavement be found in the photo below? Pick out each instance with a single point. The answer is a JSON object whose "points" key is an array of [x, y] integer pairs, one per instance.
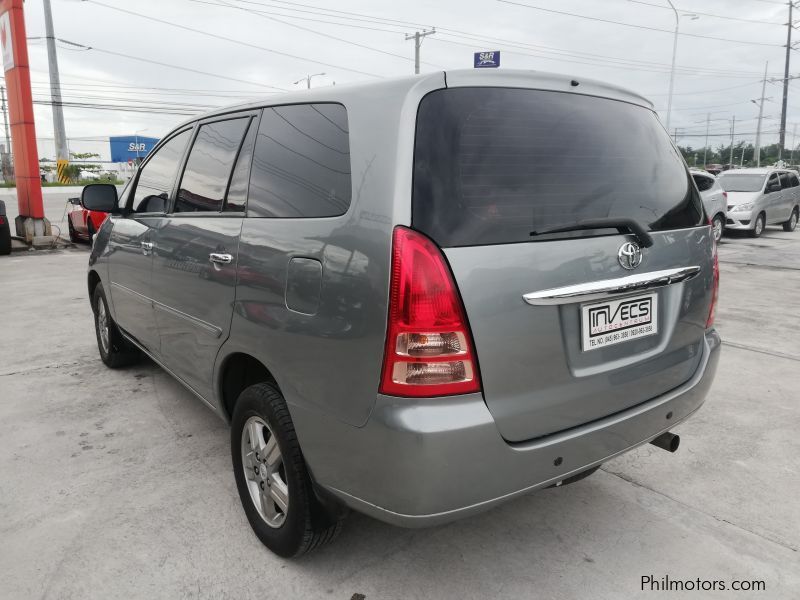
{"points": [[118, 484]]}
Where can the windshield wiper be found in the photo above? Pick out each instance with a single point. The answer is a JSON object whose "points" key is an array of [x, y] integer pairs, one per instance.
{"points": [[621, 224]]}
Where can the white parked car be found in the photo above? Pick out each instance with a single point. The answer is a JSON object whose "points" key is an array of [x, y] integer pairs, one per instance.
{"points": [[715, 199], [761, 197]]}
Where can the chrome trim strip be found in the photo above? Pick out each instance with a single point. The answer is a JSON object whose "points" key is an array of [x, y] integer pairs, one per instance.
{"points": [[207, 327], [608, 288], [200, 324], [133, 293]]}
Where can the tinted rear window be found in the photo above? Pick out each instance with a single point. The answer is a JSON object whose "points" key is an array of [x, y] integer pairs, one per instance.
{"points": [[492, 165]]}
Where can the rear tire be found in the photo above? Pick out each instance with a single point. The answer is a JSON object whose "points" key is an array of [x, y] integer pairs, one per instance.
{"points": [[717, 227], [758, 226], [792, 222], [271, 475], [90, 229], [73, 237], [115, 350]]}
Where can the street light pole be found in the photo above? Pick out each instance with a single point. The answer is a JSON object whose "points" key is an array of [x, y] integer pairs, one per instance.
{"points": [[760, 115], [307, 79], [672, 69], [733, 132], [705, 146]]}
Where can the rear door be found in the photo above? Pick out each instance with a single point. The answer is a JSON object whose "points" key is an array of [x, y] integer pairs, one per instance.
{"points": [[495, 169], [195, 249], [130, 245]]}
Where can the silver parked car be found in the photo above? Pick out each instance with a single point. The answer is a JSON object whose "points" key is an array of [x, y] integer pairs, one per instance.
{"points": [[761, 197], [715, 200], [403, 297]]}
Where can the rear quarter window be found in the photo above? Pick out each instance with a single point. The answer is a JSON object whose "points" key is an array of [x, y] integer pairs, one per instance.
{"points": [[301, 162], [492, 165]]}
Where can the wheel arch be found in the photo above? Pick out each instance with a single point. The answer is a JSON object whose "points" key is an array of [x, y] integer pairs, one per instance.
{"points": [[238, 371], [92, 280]]}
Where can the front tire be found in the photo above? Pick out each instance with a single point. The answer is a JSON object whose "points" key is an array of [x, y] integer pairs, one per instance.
{"points": [[758, 226], [792, 222], [115, 350], [271, 475]]}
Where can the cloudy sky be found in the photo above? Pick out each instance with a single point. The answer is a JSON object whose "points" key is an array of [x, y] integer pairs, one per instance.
{"points": [[152, 59]]}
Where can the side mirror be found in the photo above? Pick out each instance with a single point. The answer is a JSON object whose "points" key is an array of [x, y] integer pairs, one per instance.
{"points": [[74, 201], [773, 187], [101, 197]]}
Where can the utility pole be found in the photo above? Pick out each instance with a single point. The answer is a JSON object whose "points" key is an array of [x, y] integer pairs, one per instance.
{"points": [[733, 132], [741, 159], [705, 147], [62, 153], [782, 139], [417, 37], [760, 115]]}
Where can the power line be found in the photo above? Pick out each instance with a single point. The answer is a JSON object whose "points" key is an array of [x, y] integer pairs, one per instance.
{"points": [[598, 19], [709, 14], [233, 41], [264, 15]]}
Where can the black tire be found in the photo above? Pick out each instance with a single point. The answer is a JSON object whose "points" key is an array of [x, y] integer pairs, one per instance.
{"points": [[756, 231], [792, 222], [119, 352], [73, 236], [717, 224], [306, 525], [90, 229]]}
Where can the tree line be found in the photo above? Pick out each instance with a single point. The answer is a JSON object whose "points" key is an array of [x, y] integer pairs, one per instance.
{"points": [[721, 155]]}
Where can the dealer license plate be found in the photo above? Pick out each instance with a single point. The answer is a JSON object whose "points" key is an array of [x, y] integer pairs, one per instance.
{"points": [[615, 321]]}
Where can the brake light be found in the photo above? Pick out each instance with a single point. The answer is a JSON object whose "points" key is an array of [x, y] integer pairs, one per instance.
{"points": [[715, 286], [429, 350], [2, 221]]}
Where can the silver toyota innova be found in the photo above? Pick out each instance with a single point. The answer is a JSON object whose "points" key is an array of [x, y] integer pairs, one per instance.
{"points": [[416, 298]]}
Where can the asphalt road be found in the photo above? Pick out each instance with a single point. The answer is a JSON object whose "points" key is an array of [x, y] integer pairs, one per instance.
{"points": [[118, 484]]}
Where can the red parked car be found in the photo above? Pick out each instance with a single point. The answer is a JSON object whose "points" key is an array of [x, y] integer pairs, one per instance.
{"points": [[83, 223]]}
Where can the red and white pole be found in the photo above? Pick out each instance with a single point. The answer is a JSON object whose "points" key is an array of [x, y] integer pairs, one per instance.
{"points": [[31, 221]]}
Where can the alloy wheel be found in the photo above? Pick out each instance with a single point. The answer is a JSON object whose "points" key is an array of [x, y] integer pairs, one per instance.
{"points": [[102, 325], [264, 471]]}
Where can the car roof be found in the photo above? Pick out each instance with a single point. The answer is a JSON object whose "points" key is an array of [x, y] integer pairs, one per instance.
{"points": [[512, 78], [756, 171]]}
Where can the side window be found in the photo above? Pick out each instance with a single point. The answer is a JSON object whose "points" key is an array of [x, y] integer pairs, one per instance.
{"points": [[301, 162], [793, 180], [208, 169], [158, 176], [785, 180], [773, 179], [237, 192], [703, 183]]}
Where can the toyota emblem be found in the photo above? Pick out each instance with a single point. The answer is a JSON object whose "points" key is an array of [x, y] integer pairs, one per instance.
{"points": [[629, 255]]}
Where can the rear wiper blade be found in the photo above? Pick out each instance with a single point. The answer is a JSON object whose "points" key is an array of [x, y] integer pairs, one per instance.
{"points": [[621, 224]]}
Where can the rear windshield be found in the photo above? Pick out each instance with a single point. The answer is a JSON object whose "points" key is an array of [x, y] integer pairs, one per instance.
{"points": [[494, 165], [732, 182]]}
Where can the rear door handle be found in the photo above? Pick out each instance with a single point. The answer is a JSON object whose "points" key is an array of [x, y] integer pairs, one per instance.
{"points": [[147, 247], [220, 259]]}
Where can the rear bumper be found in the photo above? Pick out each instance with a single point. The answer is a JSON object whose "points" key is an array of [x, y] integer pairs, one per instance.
{"points": [[424, 462]]}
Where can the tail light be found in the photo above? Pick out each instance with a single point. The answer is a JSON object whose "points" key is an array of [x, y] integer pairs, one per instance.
{"points": [[2, 220], [715, 285], [429, 350]]}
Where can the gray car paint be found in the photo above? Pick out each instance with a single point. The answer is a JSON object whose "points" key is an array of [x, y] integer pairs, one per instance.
{"points": [[358, 444]]}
